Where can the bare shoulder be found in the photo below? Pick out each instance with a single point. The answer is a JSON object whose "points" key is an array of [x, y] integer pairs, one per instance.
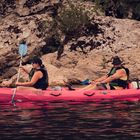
{"points": [[38, 73], [121, 71]]}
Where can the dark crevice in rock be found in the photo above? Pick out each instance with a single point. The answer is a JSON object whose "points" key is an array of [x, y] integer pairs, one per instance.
{"points": [[6, 7], [92, 29], [30, 3], [52, 45], [14, 29]]}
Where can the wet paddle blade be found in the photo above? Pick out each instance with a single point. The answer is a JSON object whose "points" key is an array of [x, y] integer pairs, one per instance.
{"points": [[22, 49]]}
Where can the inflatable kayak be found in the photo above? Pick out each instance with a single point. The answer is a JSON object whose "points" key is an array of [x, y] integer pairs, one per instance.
{"points": [[65, 94]]}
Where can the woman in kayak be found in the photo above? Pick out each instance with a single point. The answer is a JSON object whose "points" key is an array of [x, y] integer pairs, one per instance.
{"points": [[117, 78], [38, 76]]}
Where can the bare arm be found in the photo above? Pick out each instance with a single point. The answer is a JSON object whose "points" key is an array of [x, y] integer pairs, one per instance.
{"points": [[118, 74], [101, 78], [37, 75]]}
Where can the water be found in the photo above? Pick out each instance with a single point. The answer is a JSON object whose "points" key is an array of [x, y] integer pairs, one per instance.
{"points": [[115, 120]]}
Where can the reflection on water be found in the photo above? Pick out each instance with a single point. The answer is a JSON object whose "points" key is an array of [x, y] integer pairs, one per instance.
{"points": [[70, 120]]}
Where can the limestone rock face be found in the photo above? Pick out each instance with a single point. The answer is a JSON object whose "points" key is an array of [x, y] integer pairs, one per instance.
{"points": [[23, 23], [123, 41], [88, 56], [29, 7]]}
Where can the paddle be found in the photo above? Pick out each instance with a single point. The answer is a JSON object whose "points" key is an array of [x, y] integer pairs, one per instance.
{"points": [[22, 51]]}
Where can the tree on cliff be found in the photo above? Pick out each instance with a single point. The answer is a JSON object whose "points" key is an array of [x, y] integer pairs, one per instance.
{"points": [[72, 21], [120, 8]]}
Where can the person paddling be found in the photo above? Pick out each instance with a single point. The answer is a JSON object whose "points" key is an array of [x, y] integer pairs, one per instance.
{"points": [[117, 78], [38, 76]]}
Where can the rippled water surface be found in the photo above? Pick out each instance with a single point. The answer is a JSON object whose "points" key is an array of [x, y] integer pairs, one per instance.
{"points": [[115, 120]]}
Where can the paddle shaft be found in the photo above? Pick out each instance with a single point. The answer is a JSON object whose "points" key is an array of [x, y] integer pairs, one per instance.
{"points": [[18, 76]]}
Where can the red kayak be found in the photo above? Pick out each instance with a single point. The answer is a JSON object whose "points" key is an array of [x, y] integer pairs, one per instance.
{"points": [[65, 94]]}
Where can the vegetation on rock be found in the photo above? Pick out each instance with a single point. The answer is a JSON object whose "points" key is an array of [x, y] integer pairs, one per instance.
{"points": [[120, 8], [72, 21]]}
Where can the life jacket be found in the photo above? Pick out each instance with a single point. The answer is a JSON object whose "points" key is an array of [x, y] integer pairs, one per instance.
{"points": [[31, 73], [118, 82], [43, 82]]}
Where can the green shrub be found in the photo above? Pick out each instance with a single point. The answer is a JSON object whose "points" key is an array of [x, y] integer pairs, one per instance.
{"points": [[72, 19], [119, 8], [137, 12]]}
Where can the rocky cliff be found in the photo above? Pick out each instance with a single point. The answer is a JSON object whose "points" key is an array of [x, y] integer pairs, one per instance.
{"points": [[85, 56], [25, 21]]}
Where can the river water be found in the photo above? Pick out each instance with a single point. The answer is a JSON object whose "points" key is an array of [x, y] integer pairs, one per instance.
{"points": [[67, 120]]}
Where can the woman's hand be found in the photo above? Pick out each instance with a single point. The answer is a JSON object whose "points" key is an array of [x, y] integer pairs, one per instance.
{"points": [[25, 70], [98, 83], [95, 83], [22, 68], [92, 82], [18, 84]]}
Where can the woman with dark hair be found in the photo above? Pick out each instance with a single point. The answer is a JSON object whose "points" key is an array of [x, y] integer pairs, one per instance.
{"points": [[38, 76]]}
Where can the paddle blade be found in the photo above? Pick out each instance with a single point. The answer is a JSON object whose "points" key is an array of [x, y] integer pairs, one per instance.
{"points": [[22, 49]]}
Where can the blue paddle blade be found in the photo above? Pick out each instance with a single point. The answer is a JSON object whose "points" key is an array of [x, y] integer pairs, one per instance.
{"points": [[22, 49]]}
